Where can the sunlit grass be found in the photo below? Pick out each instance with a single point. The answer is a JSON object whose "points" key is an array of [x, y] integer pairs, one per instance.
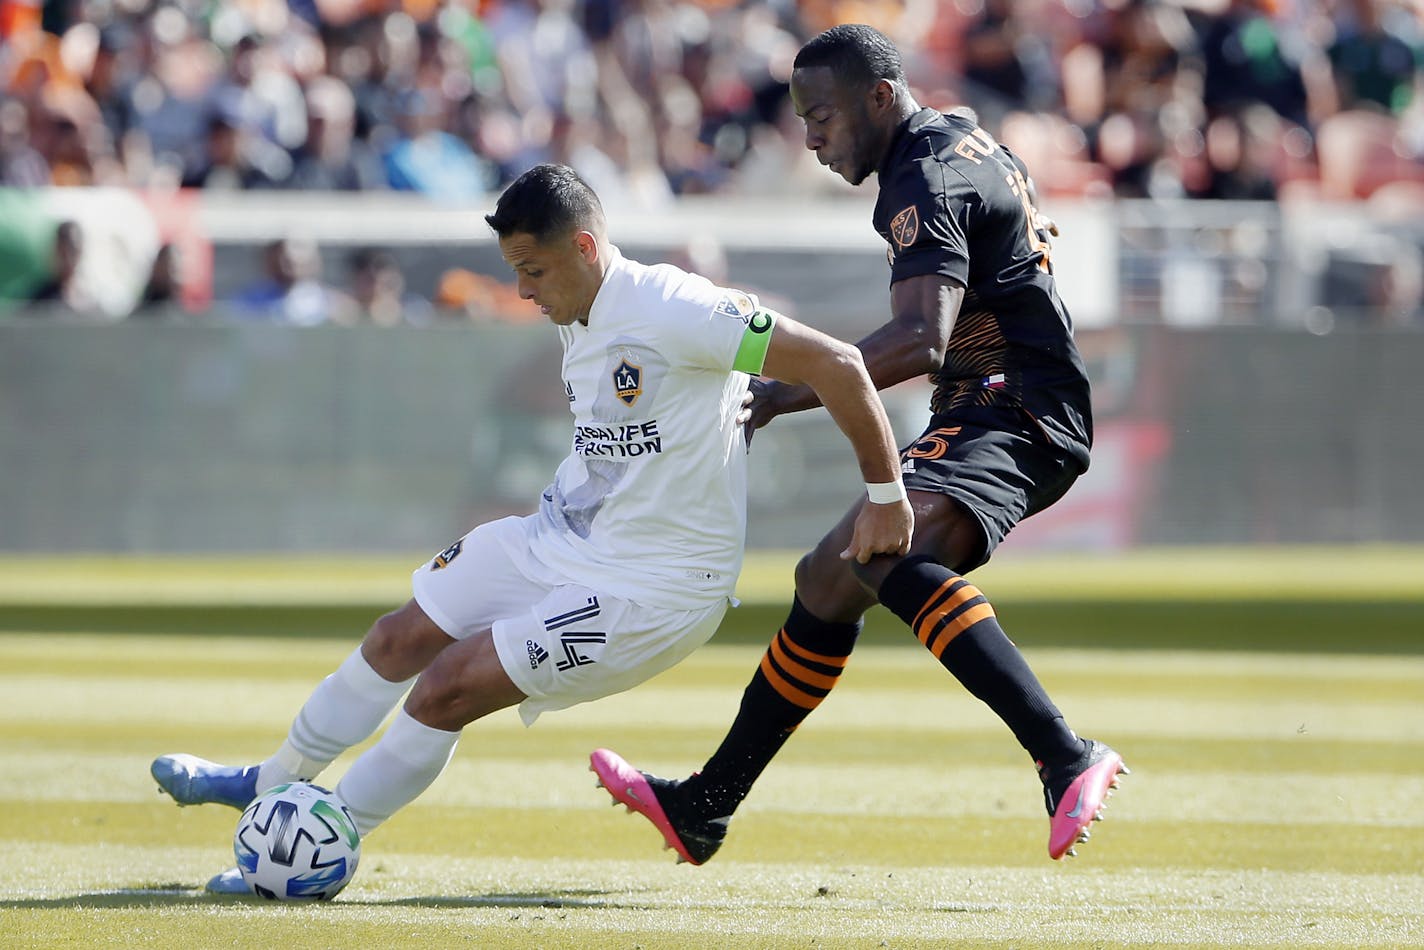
{"points": [[1274, 803]]}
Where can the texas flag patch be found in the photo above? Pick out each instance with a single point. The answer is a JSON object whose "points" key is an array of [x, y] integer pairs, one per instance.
{"points": [[994, 381]]}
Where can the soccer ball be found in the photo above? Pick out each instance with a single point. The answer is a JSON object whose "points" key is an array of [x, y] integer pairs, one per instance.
{"points": [[296, 842]]}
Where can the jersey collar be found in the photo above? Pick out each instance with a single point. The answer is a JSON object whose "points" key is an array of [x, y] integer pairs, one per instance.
{"points": [[904, 134], [603, 300]]}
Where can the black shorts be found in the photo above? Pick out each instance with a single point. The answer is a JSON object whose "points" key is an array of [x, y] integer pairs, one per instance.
{"points": [[1001, 475]]}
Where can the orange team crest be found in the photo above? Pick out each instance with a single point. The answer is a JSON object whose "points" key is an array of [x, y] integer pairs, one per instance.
{"points": [[905, 227]]}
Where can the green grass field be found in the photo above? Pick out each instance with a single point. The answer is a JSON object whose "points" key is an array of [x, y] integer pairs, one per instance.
{"points": [[1270, 708]]}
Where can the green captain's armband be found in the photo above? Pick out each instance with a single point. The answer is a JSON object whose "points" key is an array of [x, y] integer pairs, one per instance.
{"points": [[755, 340]]}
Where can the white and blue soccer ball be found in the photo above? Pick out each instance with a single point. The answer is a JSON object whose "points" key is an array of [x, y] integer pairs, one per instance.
{"points": [[297, 842]]}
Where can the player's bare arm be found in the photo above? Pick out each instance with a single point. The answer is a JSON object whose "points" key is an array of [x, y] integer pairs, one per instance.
{"points": [[922, 314], [835, 373]]}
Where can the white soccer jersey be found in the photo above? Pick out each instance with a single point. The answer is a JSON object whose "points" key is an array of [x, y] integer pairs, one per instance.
{"points": [[650, 504]]}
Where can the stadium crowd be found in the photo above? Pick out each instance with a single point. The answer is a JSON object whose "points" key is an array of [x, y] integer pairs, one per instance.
{"points": [[655, 98], [652, 99]]}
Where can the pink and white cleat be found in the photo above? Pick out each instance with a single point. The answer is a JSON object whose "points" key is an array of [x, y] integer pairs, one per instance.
{"points": [[1076, 793], [694, 838]]}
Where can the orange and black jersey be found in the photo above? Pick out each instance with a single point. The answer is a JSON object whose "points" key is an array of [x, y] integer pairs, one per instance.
{"points": [[955, 202]]}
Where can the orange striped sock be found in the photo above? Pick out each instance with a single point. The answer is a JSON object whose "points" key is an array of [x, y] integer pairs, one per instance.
{"points": [[956, 623], [796, 673]]}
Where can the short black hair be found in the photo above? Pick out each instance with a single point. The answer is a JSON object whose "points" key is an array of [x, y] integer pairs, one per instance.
{"points": [[545, 202], [859, 56]]}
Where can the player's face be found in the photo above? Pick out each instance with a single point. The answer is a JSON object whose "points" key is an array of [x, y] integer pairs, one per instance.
{"points": [[562, 275], [838, 127]]}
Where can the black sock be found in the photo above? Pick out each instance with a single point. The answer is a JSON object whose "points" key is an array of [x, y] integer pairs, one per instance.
{"points": [[956, 623], [798, 670]]}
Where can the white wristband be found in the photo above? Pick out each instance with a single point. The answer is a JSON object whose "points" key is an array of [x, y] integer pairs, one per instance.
{"points": [[885, 493]]}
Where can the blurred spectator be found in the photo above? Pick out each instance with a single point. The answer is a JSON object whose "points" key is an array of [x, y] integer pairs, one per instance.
{"points": [[1008, 62], [236, 158], [166, 104], [21, 165], [378, 294], [332, 158], [1241, 149], [259, 97], [1252, 56], [465, 294], [670, 97], [427, 159], [1374, 63], [162, 293], [64, 293], [291, 290]]}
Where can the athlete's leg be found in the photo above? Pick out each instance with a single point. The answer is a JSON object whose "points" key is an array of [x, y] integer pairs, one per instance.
{"points": [[955, 622], [344, 709], [350, 704], [952, 618], [797, 672], [463, 683]]}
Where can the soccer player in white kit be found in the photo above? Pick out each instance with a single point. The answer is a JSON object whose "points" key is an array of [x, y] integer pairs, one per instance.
{"points": [[631, 559]]}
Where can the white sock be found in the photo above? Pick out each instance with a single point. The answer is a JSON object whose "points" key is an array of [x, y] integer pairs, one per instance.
{"points": [[394, 771], [343, 710]]}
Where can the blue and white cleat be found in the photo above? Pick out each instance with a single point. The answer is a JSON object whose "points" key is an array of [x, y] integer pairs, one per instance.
{"points": [[229, 883], [194, 781]]}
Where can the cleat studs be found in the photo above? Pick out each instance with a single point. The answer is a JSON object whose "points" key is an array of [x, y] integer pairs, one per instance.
{"points": [[1098, 815], [1070, 853], [1122, 769]]}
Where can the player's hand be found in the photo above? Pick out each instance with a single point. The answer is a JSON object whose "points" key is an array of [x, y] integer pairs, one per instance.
{"points": [[744, 415], [760, 405], [881, 529]]}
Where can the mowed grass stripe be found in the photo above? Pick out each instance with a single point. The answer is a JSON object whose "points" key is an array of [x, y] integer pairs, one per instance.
{"points": [[1115, 672], [1374, 572], [407, 899], [945, 712], [479, 781], [807, 837], [678, 750]]}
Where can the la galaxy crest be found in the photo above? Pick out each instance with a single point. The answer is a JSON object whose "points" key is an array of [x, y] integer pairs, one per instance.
{"points": [[628, 381]]}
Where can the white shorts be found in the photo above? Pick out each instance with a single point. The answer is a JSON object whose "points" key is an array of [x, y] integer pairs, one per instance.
{"points": [[561, 643]]}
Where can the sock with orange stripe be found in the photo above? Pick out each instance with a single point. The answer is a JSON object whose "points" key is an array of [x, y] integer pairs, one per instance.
{"points": [[798, 671], [956, 623]]}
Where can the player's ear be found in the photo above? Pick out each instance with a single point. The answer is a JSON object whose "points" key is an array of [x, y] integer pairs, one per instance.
{"points": [[882, 95], [587, 246]]}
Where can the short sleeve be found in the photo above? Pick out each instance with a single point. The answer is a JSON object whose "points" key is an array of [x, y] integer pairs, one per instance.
{"points": [[724, 329], [925, 225]]}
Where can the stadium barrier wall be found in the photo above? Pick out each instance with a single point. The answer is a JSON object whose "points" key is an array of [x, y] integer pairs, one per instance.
{"points": [[242, 437]]}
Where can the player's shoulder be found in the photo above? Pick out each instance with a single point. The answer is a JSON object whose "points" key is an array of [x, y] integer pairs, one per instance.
{"points": [[950, 156]]}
